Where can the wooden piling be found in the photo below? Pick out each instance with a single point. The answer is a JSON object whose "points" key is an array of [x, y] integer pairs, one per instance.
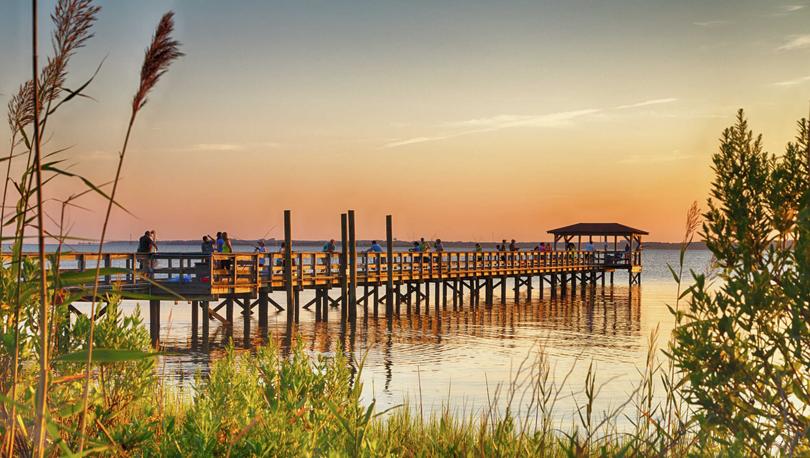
{"points": [[263, 306], [154, 321], [195, 313], [205, 324], [352, 269], [344, 257], [288, 268], [389, 282]]}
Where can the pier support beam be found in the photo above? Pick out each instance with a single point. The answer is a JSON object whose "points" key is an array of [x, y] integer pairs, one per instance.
{"points": [[263, 303], [195, 314], [206, 318], [154, 322]]}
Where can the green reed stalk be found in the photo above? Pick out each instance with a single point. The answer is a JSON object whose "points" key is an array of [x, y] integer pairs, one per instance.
{"points": [[42, 386], [160, 54]]}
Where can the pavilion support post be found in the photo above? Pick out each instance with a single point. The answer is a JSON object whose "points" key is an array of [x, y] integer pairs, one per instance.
{"points": [[516, 289], [344, 257], [352, 269], [288, 268], [503, 290]]}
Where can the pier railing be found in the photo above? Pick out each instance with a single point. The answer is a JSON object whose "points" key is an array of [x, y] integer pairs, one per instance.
{"points": [[229, 273]]}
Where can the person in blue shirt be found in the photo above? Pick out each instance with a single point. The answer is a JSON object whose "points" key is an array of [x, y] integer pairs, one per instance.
{"points": [[375, 247], [220, 242]]}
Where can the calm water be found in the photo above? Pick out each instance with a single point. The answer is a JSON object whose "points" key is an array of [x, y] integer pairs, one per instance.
{"points": [[460, 355]]}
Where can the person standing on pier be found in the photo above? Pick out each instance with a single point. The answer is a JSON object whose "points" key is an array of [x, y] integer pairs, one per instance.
{"points": [[438, 246], [375, 247], [207, 244], [220, 242], [512, 245], [145, 244], [329, 247], [261, 250], [227, 247]]}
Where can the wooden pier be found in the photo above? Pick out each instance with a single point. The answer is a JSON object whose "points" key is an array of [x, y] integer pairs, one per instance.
{"points": [[390, 282]]}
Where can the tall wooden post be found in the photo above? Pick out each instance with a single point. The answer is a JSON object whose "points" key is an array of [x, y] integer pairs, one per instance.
{"points": [[389, 284], [344, 257], [352, 269], [288, 268]]}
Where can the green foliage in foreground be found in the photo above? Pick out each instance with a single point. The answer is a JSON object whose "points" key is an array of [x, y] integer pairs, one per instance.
{"points": [[744, 345]]}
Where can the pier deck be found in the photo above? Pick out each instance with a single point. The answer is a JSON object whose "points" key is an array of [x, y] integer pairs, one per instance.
{"points": [[368, 279]]}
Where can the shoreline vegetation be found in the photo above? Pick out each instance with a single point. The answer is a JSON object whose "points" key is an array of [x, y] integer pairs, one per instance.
{"points": [[733, 379]]}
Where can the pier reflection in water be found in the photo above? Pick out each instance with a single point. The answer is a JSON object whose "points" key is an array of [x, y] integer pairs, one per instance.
{"points": [[453, 353]]}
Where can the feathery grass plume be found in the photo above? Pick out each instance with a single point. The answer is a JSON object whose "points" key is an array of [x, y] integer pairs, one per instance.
{"points": [[21, 108], [73, 21], [161, 53]]}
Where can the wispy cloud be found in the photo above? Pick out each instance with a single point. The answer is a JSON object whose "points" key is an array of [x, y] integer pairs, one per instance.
{"points": [[647, 103], [795, 42], [655, 158], [505, 121], [793, 82], [498, 122], [713, 23], [559, 119], [790, 8], [224, 147]]}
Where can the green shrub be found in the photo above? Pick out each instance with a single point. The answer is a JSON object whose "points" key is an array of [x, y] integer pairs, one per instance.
{"points": [[744, 341]]}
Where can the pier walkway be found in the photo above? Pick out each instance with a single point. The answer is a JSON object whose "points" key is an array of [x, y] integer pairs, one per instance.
{"points": [[347, 279]]}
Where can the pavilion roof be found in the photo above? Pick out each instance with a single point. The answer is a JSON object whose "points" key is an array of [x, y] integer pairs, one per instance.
{"points": [[597, 229]]}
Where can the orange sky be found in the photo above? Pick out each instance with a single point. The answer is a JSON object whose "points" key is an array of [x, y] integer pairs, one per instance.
{"points": [[464, 121]]}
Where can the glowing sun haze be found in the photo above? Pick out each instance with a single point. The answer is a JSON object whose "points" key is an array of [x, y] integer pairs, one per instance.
{"points": [[465, 120]]}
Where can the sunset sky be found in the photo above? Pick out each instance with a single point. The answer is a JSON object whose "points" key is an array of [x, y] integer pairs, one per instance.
{"points": [[465, 120]]}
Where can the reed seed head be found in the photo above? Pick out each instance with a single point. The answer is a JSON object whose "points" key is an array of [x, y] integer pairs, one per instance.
{"points": [[161, 53]]}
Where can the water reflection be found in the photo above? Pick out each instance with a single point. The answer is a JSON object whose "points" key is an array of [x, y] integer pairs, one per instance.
{"points": [[604, 320]]}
